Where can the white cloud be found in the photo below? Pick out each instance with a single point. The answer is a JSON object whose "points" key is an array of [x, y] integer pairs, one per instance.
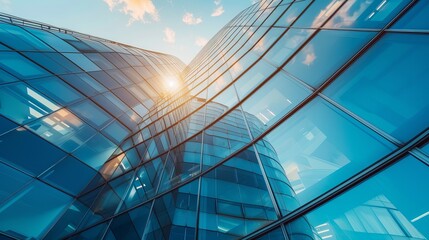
{"points": [[189, 19], [136, 9], [253, 1], [169, 35], [200, 41], [218, 11], [217, 2]]}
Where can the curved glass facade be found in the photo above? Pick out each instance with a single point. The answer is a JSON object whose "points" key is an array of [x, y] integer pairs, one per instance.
{"points": [[298, 120]]}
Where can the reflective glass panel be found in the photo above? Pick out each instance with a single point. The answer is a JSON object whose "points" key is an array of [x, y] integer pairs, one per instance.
{"points": [[22, 104], [272, 101], [20, 67], [366, 14], [234, 199], [32, 211], [415, 18], [174, 214], [315, 63], [387, 86], [379, 208], [320, 146]]}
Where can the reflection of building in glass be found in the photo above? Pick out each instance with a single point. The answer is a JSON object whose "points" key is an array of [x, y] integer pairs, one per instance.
{"points": [[298, 120]]}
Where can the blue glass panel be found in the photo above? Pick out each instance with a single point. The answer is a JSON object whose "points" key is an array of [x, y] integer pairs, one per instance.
{"points": [[64, 175], [415, 18], [56, 89], [31, 212], [54, 41], [253, 78], [22, 104], [82, 61], [19, 39], [320, 146], [272, 101], [92, 113], [19, 66], [116, 131], [174, 214], [367, 14], [292, 14], [11, 181], [6, 125], [317, 13], [4, 48], [104, 102], [95, 151], [37, 156], [224, 137], [100, 60], [315, 62], [387, 86], [84, 83], [287, 45], [275, 234], [104, 205], [182, 163], [379, 208], [63, 129], [105, 79], [122, 227], [68, 222], [96, 232], [53, 62], [425, 148], [234, 199], [6, 77]]}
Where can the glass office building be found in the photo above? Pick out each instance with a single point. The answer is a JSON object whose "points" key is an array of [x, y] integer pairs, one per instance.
{"points": [[298, 120]]}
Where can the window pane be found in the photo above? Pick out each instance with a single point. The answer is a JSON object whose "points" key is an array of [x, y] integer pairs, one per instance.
{"points": [[92, 113], [11, 181], [38, 155], [19, 39], [320, 146], [287, 44], [225, 137], [54, 62], [182, 163], [57, 90], [64, 175], [272, 101], [82, 61], [96, 151], [22, 104], [20, 67], [180, 206], [367, 14], [6, 77], [234, 199], [54, 41], [379, 208], [391, 78], [253, 78], [63, 129], [291, 14], [31, 212], [317, 13], [415, 18], [315, 62]]}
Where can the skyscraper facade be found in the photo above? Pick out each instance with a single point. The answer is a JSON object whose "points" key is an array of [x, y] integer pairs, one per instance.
{"points": [[298, 120]]}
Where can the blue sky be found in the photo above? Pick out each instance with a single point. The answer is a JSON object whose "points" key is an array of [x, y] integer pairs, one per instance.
{"points": [[177, 27]]}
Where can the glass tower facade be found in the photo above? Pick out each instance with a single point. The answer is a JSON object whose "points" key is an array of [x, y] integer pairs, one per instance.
{"points": [[298, 120]]}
